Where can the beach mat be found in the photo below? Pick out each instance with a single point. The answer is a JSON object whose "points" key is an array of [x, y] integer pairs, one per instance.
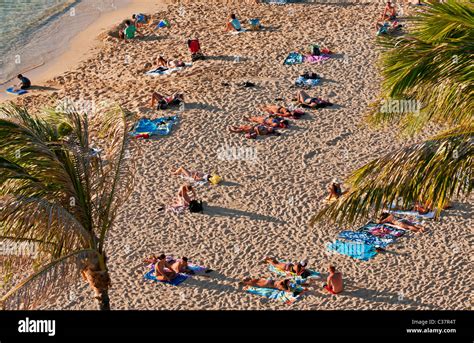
{"points": [[166, 71], [274, 294], [316, 58], [367, 238], [18, 92], [358, 251], [303, 82], [160, 126], [237, 32], [383, 230]]}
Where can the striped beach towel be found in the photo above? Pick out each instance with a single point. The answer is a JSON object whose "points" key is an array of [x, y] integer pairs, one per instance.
{"points": [[274, 294]]}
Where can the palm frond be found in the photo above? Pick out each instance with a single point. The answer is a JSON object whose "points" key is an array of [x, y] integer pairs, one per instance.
{"points": [[432, 172]]}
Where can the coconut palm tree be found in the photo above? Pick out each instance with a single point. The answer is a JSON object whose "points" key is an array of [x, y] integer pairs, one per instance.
{"points": [[431, 67], [63, 176]]}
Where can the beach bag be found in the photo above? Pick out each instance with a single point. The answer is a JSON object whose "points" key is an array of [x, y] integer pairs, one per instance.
{"points": [[195, 206], [162, 104], [314, 50]]}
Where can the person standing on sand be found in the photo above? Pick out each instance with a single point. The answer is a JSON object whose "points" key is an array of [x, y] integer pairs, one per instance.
{"points": [[334, 283]]}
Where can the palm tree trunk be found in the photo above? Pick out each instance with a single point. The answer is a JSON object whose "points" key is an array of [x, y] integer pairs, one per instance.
{"points": [[99, 281]]}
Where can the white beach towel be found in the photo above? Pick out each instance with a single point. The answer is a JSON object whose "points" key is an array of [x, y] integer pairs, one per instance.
{"points": [[160, 71]]}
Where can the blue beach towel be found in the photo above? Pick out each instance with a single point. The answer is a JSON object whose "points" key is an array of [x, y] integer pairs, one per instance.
{"points": [[18, 92], [274, 294], [359, 251], [366, 237], [175, 282], [294, 58], [302, 82], [160, 126]]}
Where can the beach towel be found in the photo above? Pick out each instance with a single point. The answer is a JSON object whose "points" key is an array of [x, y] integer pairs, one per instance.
{"points": [[293, 58], [366, 238], [297, 278], [176, 209], [414, 214], [160, 126], [237, 32], [160, 71], [383, 230], [274, 294], [316, 59], [360, 251], [18, 92], [302, 82], [175, 282]]}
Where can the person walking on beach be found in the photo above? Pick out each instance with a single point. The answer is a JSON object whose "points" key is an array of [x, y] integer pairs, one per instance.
{"points": [[334, 283], [24, 83]]}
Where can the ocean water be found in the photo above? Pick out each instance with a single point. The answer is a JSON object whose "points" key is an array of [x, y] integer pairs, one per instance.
{"points": [[35, 31]]}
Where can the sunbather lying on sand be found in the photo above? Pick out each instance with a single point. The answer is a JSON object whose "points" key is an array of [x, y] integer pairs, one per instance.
{"points": [[165, 101], [180, 265], [272, 121], [162, 62], [252, 131], [298, 268], [388, 218], [195, 175], [163, 270], [282, 111], [305, 99], [334, 283], [282, 285]]}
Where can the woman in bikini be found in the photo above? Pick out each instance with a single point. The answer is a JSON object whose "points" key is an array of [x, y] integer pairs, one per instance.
{"points": [[192, 174], [166, 101], [282, 285], [254, 130], [388, 218], [298, 268], [272, 121], [305, 99], [282, 111]]}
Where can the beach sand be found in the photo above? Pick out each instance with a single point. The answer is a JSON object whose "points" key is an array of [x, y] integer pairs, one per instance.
{"points": [[265, 205]]}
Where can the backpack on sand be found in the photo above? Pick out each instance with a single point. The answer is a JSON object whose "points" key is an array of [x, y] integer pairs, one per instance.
{"points": [[195, 206]]}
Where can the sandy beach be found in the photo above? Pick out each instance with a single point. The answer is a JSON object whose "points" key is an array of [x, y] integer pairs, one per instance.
{"points": [[273, 185]]}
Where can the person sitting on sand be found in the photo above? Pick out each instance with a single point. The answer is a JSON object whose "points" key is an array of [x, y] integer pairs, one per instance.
{"points": [[298, 268], [305, 99], [388, 218], [389, 12], [184, 197], [233, 24], [180, 265], [282, 111], [192, 174], [282, 285], [335, 190], [252, 131], [139, 19], [24, 83], [130, 31], [272, 121], [334, 283], [163, 270], [163, 102]]}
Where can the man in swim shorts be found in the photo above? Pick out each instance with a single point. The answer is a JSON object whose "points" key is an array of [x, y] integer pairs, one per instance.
{"points": [[334, 281]]}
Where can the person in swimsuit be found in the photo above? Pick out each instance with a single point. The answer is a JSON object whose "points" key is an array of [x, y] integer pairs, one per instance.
{"points": [[388, 218], [195, 175], [252, 131], [335, 190], [334, 283], [184, 197], [233, 24], [305, 99], [180, 265], [282, 111], [164, 102], [163, 269], [298, 268], [271, 120], [389, 12], [282, 285]]}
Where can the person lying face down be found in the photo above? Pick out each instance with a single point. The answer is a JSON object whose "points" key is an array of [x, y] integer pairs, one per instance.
{"points": [[388, 218], [282, 285], [252, 131], [272, 121], [282, 111], [298, 268]]}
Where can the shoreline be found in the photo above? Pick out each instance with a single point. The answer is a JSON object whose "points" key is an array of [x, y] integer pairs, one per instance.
{"points": [[81, 46]]}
